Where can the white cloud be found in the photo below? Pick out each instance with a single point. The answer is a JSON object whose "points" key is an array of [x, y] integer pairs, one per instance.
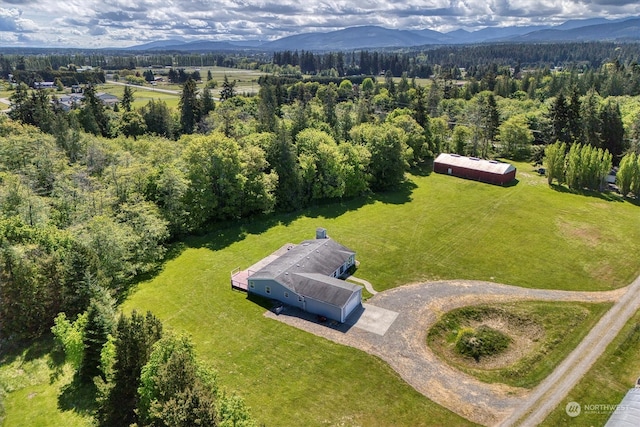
{"points": [[124, 22]]}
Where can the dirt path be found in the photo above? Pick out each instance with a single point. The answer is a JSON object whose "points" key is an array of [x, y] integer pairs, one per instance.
{"points": [[556, 386], [404, 344]]}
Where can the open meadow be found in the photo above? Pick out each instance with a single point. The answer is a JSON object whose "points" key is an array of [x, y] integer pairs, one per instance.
{"points": [[435, 227]]}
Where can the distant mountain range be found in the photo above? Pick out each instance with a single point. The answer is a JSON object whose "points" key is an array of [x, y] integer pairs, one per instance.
{"points": [[372, 37]]}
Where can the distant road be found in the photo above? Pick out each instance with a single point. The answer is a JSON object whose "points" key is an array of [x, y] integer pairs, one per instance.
{"points": [[152, 88]]}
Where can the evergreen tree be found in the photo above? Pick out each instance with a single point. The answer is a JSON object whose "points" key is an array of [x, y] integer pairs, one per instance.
{"points": [[20, 106], [560, 120], [281, 155], [100, 322], [329, 101], [176, 390], [228, 90], [157, 118], [574, 120], [612, 133], [267, 108], [134, 338], [590, 119], [419, 106], [190, 109], [127, 98], [92, 115], [206, 101]]}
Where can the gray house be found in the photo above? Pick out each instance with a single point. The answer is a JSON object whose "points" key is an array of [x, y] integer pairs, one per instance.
{"points": [[308, 275]]}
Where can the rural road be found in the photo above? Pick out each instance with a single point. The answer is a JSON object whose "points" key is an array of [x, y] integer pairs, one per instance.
{"points": [[419, 306], [151, 88], [556, 386]]}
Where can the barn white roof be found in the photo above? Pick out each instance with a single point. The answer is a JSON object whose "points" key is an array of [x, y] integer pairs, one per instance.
{"points": [[475, 163]]}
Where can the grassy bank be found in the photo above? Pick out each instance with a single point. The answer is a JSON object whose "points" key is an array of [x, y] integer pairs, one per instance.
{"points": [[542, 335]]}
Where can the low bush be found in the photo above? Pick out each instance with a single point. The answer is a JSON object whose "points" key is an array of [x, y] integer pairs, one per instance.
{"points": [[481, 342]]}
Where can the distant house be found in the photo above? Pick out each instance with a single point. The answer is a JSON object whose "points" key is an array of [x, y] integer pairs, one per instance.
{"points": [[490, 171], [44, 85], [69, 102], [74, 100], [307, 276], [107, 99]]}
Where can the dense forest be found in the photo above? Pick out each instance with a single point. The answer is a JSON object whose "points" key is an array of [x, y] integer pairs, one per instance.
{"points": [[91, 198]]}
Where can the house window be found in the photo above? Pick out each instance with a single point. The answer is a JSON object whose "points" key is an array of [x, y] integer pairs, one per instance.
{"points": [[286, 294], [252, 284], [267, 289]]}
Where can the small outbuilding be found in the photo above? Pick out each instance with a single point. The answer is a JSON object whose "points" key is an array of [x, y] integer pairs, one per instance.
{"points": [[489, 171]]}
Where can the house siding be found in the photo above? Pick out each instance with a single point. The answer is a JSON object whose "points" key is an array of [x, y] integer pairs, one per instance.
{"points": [[323, 309], [277, 292], [354, 302]]}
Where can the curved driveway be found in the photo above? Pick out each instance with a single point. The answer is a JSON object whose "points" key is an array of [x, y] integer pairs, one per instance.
{"points": [[419, 307]]}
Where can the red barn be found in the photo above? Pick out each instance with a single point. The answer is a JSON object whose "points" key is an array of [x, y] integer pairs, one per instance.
{"points": [[490, 171]]}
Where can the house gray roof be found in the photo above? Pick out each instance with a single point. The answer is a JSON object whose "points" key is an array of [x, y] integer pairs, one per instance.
{"points": [[306, 269], [492, 166], [324, 288]]}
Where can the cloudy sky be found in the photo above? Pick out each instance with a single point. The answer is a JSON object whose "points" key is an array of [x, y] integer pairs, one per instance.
{"points": [[119, 23]]}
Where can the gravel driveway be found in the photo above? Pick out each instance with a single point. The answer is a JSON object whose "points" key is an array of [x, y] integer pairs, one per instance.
{"points": [[404, 347]]}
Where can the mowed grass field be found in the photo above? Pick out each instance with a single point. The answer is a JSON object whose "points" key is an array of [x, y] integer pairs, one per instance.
{"points": [[436, 227]]}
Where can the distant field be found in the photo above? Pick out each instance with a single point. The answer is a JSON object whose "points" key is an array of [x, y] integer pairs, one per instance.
{"points": [[246, 80], [246, 83]]}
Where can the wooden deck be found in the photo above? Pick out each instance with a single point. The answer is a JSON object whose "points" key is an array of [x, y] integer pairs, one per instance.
{"points": [[240, 278]]}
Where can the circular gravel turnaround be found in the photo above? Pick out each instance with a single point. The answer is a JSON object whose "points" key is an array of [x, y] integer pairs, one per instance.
{"points": [[404, 347]]}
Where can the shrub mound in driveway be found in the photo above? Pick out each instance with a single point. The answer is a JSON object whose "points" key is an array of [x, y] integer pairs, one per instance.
{"points": [[480, 342]]}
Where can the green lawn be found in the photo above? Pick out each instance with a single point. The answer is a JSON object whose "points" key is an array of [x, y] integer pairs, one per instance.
{"points": [[606, 383], [36, 390], [562, 324], [436, 227]]}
